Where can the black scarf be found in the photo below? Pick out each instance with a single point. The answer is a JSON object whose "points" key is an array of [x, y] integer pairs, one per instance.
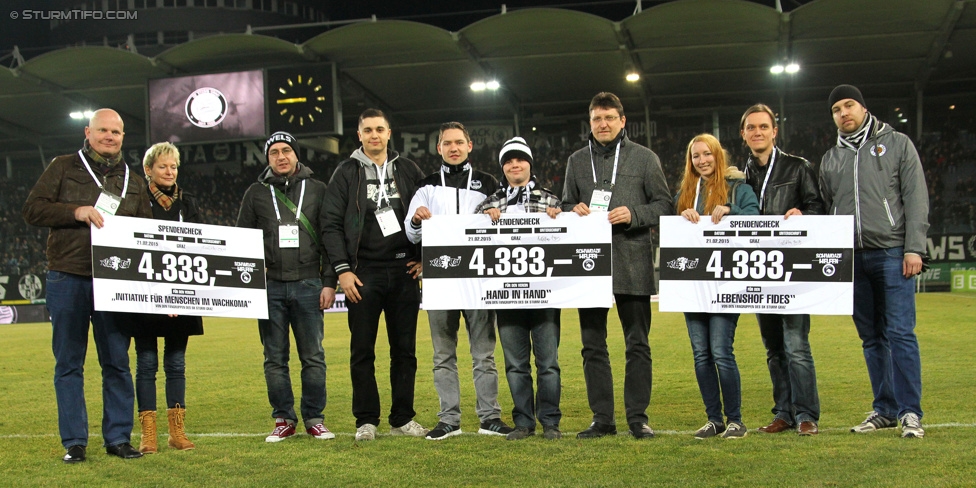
{"points": [[870, 126], [519, 194]]}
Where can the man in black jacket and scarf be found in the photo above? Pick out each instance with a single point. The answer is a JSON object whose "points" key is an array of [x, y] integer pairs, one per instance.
{"points": [[287, 205], [786, 185]]}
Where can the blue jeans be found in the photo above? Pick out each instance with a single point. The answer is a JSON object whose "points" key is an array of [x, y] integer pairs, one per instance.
{"points": [[174, 364], [791, 369], [884, 314], [70, 301], [522, 332], [712, 336], [295, 303]]}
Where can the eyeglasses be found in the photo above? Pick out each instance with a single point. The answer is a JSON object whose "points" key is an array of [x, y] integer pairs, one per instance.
{"points": [[608, 118], [275, 152]]}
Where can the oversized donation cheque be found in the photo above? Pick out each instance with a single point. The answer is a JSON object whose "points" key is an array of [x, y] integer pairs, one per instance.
{"points": [[166, 267], [521, 261], [758, 264]]}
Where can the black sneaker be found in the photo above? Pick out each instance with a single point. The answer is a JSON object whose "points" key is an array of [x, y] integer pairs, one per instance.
{"points": [[75, 454], [641, 430], [597, 429], [520, 433], [443, 431], [710, 429], [123, 450], [494, 427], [551, 432]]}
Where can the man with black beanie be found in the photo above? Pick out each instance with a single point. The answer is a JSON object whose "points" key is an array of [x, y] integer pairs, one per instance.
{"points": [[286, 203], [874, 174]]}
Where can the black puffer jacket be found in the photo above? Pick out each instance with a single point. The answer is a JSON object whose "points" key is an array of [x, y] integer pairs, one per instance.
{"points": [[793, 184], [308, 260]]}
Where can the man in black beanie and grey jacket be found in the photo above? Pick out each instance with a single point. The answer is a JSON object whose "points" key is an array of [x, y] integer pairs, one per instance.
{"points": [[874, 174]]}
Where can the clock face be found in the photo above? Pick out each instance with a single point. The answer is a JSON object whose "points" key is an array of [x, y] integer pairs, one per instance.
{"points": [[300, 99], [206, 107]]}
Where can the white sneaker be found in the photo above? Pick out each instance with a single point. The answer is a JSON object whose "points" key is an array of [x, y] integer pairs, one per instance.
{"points": [[411, 428], [911, 426], [366, 432], [874, 422]]}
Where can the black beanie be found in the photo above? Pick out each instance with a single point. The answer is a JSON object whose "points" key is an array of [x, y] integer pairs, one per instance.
{"points": [[514, 147], [843, 92], [281, 136]]}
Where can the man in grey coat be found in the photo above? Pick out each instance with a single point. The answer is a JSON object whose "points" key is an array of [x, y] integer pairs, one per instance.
{"points": [[874, 174], [623, 179]]}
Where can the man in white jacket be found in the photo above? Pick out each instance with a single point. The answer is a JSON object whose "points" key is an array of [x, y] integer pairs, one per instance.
{"points": [[457, 188]]}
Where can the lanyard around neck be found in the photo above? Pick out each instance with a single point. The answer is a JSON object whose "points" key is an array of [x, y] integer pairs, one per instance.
{"points": [[298, 211], [616, 158], [470, 172], [125, 186], [769, 171], [697, 194], [381, 173]]}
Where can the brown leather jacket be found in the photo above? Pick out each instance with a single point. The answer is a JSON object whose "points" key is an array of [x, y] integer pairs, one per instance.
{"points": [[66, 185]]}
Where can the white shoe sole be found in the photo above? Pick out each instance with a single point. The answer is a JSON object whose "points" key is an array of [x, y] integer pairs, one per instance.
{"points": [[325, 437], [490, 432], [274, 438], [445, 436]]}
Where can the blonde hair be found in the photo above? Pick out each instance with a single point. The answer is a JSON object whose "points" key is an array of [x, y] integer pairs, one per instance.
{"points": [[158, 150], [716, 189]]}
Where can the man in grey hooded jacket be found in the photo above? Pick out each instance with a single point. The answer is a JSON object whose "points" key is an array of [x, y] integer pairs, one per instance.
{"points": [[874, 174]]}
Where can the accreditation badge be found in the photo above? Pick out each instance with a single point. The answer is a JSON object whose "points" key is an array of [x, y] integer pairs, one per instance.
{"points": [[600, 201], [288, 236], [107, 204], [389, 223]]}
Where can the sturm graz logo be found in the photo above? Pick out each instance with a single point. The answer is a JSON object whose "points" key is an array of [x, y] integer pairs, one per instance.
{"points": [[116, 263], [682, 264], [445, 262], [30, 286]]}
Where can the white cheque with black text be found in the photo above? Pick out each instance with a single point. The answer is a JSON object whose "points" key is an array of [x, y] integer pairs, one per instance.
{"points": [[758, 264], [165, 267], [521, 261]]}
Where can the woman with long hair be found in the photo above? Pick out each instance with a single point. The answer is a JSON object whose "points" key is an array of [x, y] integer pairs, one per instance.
{"points": [[709, 187]]}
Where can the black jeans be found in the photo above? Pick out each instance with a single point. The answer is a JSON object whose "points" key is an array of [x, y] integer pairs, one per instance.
{"points": [[635, 318], [393, 291]]}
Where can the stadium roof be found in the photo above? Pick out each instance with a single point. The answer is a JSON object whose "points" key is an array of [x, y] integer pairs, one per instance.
{"points": [[693, 56]]}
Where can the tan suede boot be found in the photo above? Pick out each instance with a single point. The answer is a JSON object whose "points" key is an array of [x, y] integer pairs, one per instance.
{"points": [[177, 436], [147, 419]]}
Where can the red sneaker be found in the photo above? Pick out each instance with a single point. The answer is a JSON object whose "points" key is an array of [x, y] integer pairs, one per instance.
{"points": [[282, 431], [320, 431]]}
